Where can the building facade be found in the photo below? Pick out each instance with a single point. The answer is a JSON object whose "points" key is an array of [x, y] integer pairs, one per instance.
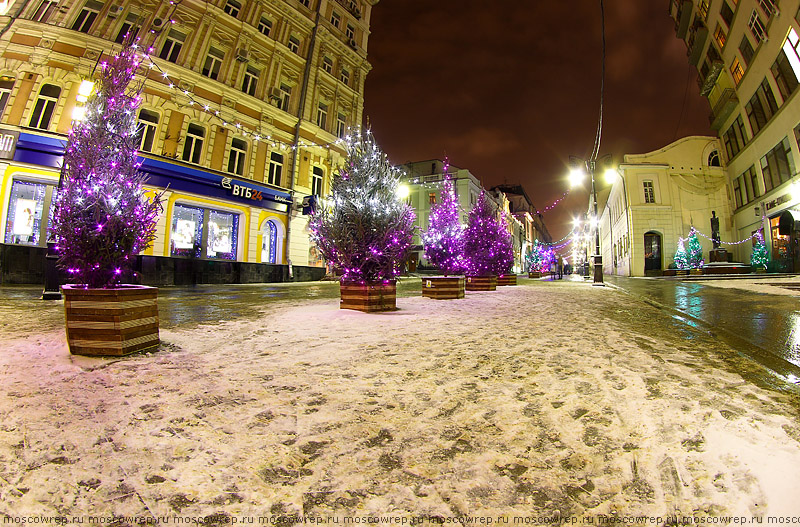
{"points": [[747, 53], [657, 198], [243, 104], [424, 180]]}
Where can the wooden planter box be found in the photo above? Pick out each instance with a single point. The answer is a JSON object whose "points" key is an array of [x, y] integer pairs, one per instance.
{"points": [[695, 271], [443, 287], [369, 297], [507, 279], [534, 274], [111, 322], [481, 283]]}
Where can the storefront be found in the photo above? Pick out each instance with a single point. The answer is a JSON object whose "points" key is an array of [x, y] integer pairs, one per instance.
{"points": [[207, 215]]}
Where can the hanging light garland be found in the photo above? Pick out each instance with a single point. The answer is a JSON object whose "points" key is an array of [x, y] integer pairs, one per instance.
{"points": [[754, 235], [554, 204]]}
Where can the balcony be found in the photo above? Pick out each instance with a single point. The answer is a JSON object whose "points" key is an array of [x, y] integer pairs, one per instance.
{"points": [[683, 17], [697, 41], [724, 107], [352, 7], [707, 84]]}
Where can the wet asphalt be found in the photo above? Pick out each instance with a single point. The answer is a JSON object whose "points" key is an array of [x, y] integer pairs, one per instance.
{"points": [[762, 327]]}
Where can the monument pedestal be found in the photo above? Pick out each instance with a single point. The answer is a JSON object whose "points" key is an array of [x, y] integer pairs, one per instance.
{"points": [[718, 255]]}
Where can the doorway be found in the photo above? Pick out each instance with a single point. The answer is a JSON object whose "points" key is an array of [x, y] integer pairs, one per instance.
{"points": [[652, 254]]}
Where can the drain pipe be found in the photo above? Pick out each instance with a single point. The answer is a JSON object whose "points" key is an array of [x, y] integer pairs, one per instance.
{"points": [[296, 144]]}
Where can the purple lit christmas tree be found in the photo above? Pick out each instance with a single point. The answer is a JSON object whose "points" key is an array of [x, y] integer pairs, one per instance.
{"points": [[488, 248], [444, 239], [365, 231], [102, 217]]}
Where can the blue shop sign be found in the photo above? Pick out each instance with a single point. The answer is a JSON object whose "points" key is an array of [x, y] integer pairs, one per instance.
{"points": [[48, 151]]}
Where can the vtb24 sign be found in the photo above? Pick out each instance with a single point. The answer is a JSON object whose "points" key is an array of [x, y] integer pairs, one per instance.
{"points": [[240, 191]]}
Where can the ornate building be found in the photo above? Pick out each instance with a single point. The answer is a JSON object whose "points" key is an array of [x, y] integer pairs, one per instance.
{"points": [[243, 103], [748, 55]]}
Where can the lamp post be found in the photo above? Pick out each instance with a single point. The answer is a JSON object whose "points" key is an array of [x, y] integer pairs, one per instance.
{"points": [[580, 168]]}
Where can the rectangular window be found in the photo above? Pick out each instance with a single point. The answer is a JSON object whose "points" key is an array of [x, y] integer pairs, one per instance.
{"points": [[45, 11], [432, 198], [148, 122], [784, 75], [791, 51], [294, 45], [752, 174], [761, 107], [649, 192], [232, 7], [737, 192], [778, 165], [327, 65], [726, 13], [768, 6], [720, 37], [87, 16], [350, 31], [286, 94], [172, 46], [265, 26], [45, 106], [221, 239], [25, 208], [250, 80], [5, 93], [703, 9], [345, 77], [186, 238], [306, 3], [316, 182], [735, 138], [193, 146], [737, 71], [746, 49], [322, 115], [237, 157], [275, 169], [341, 125], [757, 27], [129, 30], [213, 63], [336, 19]]}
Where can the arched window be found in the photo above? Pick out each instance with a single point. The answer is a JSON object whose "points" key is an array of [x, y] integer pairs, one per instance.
{"points": [[713, 159], [270, 242]]}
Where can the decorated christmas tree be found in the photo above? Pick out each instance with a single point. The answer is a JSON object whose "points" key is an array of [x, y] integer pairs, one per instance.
{"points": [[103, 218], [487, 244], [444, 239], [534, 256], [694, 251], [759, 257], [365, 231], [681, 256]]}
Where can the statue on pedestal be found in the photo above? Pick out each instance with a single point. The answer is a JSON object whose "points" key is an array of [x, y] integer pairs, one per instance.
{"points": [[715, 230]]}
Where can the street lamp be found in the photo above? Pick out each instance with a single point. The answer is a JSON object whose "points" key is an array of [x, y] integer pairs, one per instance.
{"points": [[582, 167]]}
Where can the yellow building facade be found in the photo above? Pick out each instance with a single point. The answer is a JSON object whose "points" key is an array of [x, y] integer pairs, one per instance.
{"points": [[243, 106]]}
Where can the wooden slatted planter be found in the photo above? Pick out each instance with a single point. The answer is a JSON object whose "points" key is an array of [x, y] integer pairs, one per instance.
{"points": [[370, 297], [443, 287], [507, 279], [481, 283], [534, 274], [111, 322]]}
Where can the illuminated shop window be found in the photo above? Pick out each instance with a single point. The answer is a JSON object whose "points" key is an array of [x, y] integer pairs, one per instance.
{"points": [[187, 231], [269, 243], [189, 224], [25, 206], [221, 240]]}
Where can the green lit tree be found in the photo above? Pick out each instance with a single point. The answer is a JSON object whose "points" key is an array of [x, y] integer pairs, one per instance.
{"points": [[759, 257], [694, 251], [681, 256]]}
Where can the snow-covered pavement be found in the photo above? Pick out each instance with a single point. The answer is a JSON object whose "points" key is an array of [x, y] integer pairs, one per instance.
{"points": [[541, 401]]}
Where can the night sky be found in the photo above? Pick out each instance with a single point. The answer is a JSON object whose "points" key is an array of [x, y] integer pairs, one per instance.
{"points": [[509, 89]]}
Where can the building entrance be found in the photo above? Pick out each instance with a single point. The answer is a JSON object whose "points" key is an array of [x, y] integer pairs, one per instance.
{"points": [[652, 254], [786, 241]]}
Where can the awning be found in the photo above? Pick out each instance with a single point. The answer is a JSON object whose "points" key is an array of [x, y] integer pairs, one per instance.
{"points": [[788, 222]]}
